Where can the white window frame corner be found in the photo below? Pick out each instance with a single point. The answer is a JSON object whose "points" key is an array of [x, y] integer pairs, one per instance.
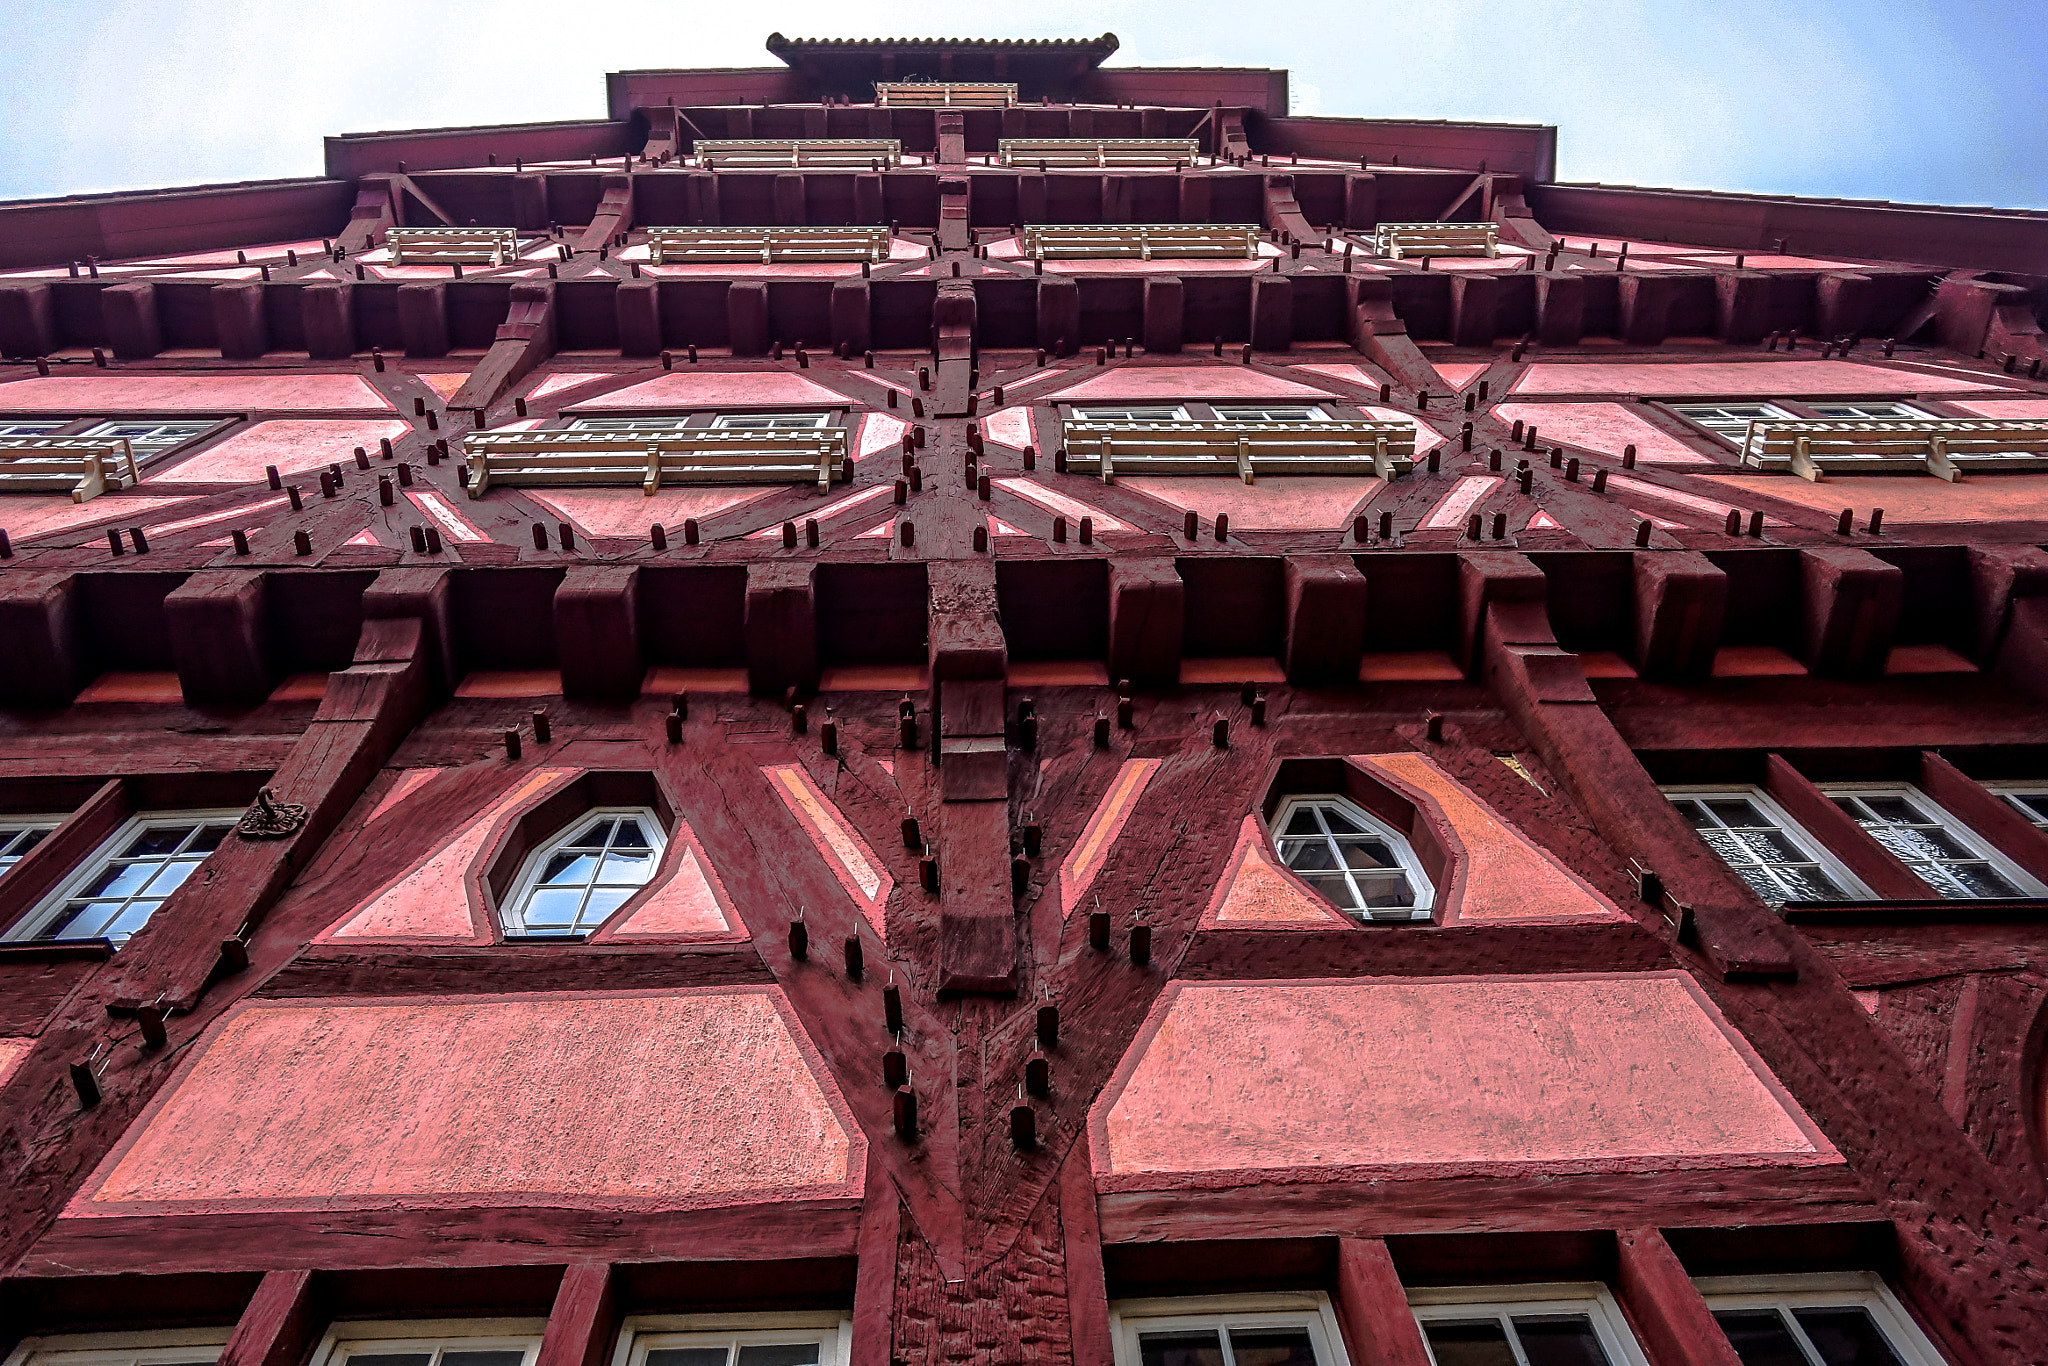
{"points": [[488, 1334], [28, 927], [1852, 886], [1964, 834], [113, 1348], [1913, 1344]]}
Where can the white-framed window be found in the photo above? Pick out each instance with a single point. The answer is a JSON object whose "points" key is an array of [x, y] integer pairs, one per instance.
{"points": [[1764, 846], [2029, 799], [671, 423], [20, 428], [1525, 1325], [1132, 412], [1730, 419], [160, 1347], [813, 1338], [572, 883], [770, 422], [1875, 410], [432, 1342], [114, 893], [1946, 854], [1353, 859], [1271, 412], [1293, 1329], [19, 834], [1830, 1319], [150, 438]]}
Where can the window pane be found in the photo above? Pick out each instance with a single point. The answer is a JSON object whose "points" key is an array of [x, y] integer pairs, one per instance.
{"points": [[603, 901], [500, 1357], [1389, 888], [779, 1354], [553, 907], [1980, 879], [161, 839], [629, 835], [1915, 845], [628, 866], [88, 921], [1560, 1340], [1303, 822], [171, 876], [1311, 854], [569, 870], [1341, 824], [1367, 854], [1809, 884], [1846, 1337], [1771, 846], [1334, 890], [1894, 809], [1180, 1349], [390, 1358], [133, 917], [1738, 811], [1481, 1342], [1273, 1347], [119, 879], [687, 1356], [1696, 812], [1760, 1337]]}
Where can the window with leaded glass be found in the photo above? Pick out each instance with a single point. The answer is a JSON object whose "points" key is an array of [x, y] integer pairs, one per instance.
{"points": [[1946, 854], [1870, 410], [2029, 799], [1764, 847], [572, 884], [162, 1347], [1354, 860], [149, 438], [1730, 420], [114, 893], [1270, 412], [436, 1342], [813, 1338]]}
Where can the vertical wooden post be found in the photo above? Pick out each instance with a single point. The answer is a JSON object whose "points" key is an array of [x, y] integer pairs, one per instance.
{"points": [[278, 1324], [1372, 1308], [1087, 1285], [874, 1285], [584, 1316], [1671, 1320]]}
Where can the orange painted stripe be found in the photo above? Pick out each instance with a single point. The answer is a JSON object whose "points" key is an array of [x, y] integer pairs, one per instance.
{"points": [[1092, 850]]}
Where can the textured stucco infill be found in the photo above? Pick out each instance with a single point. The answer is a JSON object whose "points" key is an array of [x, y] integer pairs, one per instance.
{"points": [[1732, 379], [1441, 1076], [1606, 427], [292, 445], [1502, 876], [663, 1100], [191, 393], [718, 389], [1255, 890]]}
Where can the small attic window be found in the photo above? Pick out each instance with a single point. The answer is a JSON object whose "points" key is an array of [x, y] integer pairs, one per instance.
{"points": [[571, 884], [1354, 860]]}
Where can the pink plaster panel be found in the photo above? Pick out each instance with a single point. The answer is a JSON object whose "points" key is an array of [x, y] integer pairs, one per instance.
{"points": [[882, 530], [1348, 374], [1010, 427], [846, 853], [998, 527], [1632, 489], [1909, 498], [291, 444], [1091, 851], [1427, 438], [445, 382], [1059, 504], [252, 514], [408, 782], [435, 899], [555, 384], [690, 901], [1283, 503], [702, 389], [12, 1051], [626, 1100], [454, 525], [1454, 507], [1731, 379], [1605, 427], [1561, 1073], [1502, 876], [879, 432], [1257, 891], [226, 256], [27, 515], [164, 393], [1186, 381], [2004, 407], [629, 512], [1458, 374]]}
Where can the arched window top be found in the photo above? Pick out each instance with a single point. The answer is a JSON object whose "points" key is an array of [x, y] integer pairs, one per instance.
{"points": [[573, 882], [1356, 861]]}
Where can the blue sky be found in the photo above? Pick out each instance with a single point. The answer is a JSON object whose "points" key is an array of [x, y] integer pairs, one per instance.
{"points": [[1909, 100]]}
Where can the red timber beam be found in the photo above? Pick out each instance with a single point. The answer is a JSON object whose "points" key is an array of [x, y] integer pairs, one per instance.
{"points": [[524, 340], [206, 949], [977, 916], [1956, 1211], [614, 213]]}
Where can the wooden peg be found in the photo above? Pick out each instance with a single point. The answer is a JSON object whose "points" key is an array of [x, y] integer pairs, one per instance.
{"points": [[856, 957], [542, 732], [1141, 945]]}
